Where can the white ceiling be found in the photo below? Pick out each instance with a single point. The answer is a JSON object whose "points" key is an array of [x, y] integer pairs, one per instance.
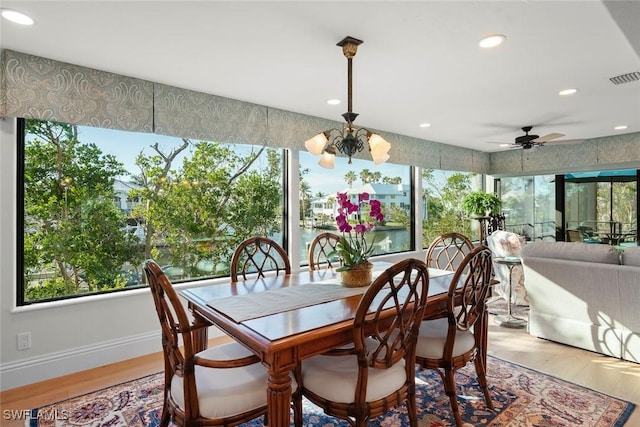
{"points": [[420, 60]]}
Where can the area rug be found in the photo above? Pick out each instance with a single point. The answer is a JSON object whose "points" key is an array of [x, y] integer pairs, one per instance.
{"points": [[521, 397]]}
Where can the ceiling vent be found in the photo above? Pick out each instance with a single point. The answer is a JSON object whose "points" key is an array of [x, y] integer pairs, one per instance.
{"points": [[626, 78]]}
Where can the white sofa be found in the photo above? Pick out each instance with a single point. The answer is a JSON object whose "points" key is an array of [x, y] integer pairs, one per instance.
{"points": [[585, 295]]}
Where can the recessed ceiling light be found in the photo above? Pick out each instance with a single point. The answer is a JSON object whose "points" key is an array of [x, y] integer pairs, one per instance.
{"points": [[621, 127], [16, 17], [492, 41], [425, 125], [333, 101], [504, 145], [569, 91]]}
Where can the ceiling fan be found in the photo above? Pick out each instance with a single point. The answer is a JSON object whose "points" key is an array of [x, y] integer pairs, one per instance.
{"points": [[527, 141]]}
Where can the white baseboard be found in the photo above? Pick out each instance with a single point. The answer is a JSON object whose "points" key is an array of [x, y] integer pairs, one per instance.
{"points": [[36, 369]]}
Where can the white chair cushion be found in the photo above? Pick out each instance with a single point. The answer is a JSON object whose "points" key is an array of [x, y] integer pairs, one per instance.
{"points": [[432, 336], [334, 378], [226, 392]]}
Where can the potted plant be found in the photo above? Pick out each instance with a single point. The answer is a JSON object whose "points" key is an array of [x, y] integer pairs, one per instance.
{"points": [[481, 203], [353, 248]]}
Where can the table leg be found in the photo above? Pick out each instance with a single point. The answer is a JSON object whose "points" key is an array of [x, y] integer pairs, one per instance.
{"points": [[278, 399], [510, 321], [200, 334]]}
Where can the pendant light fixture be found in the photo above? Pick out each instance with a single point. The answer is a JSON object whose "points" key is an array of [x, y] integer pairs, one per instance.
{"points": [[348, 140]]}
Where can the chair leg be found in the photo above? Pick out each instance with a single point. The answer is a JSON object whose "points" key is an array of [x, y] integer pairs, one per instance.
{"points": [[482, 380], [412, 409], [296, 397], [450, 390], [166, 415]]}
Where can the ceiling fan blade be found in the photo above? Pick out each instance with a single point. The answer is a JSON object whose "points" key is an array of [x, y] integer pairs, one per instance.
{"points": [[548, 137], [566, 142]]}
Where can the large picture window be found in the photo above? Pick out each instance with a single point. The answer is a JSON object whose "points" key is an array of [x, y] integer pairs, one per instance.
{"points": [[390, 184], [98, 202], [442, 196]]}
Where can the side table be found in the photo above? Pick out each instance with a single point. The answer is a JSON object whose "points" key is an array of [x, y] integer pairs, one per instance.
{"points": [[510, 321]]}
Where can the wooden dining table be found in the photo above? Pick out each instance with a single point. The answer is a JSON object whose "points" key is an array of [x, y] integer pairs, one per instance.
{"points": [[287, 318]]}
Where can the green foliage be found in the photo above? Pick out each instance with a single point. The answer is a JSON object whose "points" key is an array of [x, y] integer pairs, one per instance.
{"points": [[202, 209], [399, 216], [72, 227], [352, 251], [481, 203], [198, 210], [443, 202], [52, 288]]}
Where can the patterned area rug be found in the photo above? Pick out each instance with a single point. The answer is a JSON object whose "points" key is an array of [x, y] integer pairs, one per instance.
{"points": [[521, 396]]}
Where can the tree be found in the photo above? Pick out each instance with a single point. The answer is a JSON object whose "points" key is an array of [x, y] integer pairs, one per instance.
{"points": [[71, 222], [368, 177], [443, 201], [389, 180], [201, 210], [350, 177], [154, 175]]}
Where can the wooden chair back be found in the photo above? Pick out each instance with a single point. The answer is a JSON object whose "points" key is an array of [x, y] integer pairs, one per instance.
{"points": [[257, 255], [182, 359], [321, 246], [174, 324], [469, 290], [385, 330], [404, 287], [465, 317], [448, 250]]}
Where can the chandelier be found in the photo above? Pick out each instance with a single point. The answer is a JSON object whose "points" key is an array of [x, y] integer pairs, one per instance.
{"points": [[349, 140]]}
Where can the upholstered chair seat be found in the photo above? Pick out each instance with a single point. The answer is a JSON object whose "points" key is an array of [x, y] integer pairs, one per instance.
{"points": [[335, 377], [224, 392], [433, 336]]}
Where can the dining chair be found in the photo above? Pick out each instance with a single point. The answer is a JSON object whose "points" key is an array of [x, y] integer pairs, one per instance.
{"points": [[447, 344], [377, 371], [220, 386], [448, 250], [321, 246], [256, 255]]}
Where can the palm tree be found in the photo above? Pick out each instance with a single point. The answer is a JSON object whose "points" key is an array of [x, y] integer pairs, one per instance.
{"points": [[350, 177]]}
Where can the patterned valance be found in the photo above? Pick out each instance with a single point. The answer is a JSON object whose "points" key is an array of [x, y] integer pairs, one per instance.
{"points": [[605, 153], [40, 88]]}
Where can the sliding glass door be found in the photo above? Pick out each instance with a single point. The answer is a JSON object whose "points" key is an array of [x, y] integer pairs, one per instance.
{"points": [[602, 205]]}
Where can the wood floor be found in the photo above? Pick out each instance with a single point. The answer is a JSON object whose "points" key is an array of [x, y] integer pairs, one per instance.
{"points": [[608, 375]]}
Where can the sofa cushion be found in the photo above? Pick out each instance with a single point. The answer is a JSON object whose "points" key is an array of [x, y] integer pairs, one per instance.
{"points": [[573, 251], [631, 256]]}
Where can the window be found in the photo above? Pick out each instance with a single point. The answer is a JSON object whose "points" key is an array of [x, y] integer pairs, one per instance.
{"points": [[528, 203], [602, 205], [98, 202], [443, 192], [318, 203]]}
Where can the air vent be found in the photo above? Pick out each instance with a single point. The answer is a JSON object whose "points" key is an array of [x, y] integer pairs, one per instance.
{"points": [[626, 78]]}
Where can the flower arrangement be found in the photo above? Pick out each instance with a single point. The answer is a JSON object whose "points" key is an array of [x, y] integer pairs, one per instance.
{"points": [[353, 247]]}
